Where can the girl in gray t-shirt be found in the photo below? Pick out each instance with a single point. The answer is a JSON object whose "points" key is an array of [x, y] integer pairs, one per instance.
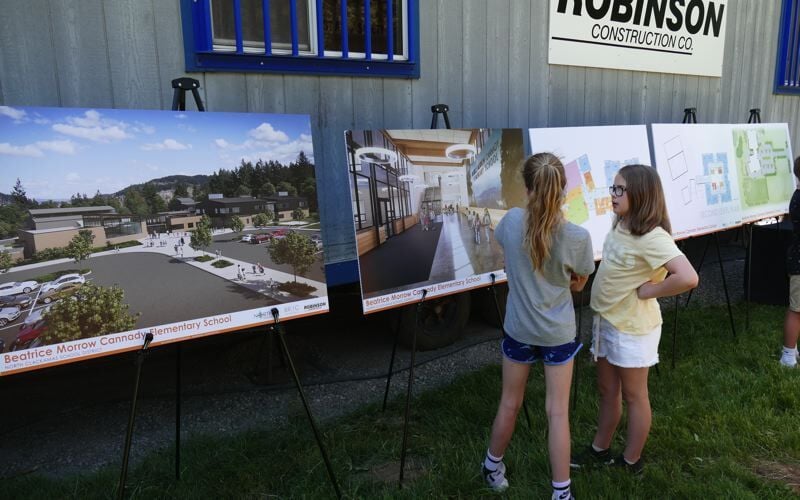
{"points": [[545, 258]]}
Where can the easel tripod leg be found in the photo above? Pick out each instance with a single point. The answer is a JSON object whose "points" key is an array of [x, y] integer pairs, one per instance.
{"points": [[311, 421], [725, 285], [409, 391], [126, 451], [391, 367]]}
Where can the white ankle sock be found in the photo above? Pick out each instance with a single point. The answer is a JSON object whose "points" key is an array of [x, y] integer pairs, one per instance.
{"points": [[561, 489], [492, 461]]}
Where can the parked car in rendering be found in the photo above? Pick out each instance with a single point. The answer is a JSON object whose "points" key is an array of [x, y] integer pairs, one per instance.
{"points": [[28, 336], [64, 290], [260, 238], [247, 238], [22, 300], [60, 282], [317, 239], [9, 314], [17, 287], [30, 330], [279, 234]]}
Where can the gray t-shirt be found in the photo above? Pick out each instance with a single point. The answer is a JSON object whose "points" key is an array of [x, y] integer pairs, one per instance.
{"points": [[539, 308]]}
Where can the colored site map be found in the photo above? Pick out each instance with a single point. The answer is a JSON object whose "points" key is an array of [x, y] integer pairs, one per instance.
{"points": [[763, 163], [585, 198]]}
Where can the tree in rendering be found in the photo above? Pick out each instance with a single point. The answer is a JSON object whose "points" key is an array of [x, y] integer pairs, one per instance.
{"points": [[237, 224], [296, 250], [267, 189], [95, 310], [19, 195], [80, 247], [201, 237], [298, 214], [263, 218], [5, 261], [286, 187]]}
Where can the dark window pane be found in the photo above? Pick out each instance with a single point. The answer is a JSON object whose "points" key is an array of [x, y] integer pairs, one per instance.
{"points": [[356, 28], [222, 17]]}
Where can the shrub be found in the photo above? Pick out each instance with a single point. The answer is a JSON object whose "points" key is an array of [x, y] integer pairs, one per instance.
{"points": [[296, 288], [203, 258], [220, 263]]}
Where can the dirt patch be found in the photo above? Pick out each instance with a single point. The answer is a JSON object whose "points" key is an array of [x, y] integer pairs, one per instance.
{"points": [[389, 472], [789, 474]]}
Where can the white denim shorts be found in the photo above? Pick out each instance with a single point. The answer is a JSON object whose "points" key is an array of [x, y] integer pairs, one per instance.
{"points": [[623, 349]]}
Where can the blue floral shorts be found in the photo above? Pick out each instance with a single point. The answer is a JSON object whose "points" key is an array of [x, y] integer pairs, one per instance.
{"points": [[550, 355]]}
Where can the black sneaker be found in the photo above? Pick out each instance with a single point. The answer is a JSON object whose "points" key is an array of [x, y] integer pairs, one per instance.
{"points": [[590, 457], [635, 468]]}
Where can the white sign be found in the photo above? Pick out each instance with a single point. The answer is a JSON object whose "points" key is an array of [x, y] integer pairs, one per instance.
{"points": [[718, 176], [591, 157], [665, 36]]}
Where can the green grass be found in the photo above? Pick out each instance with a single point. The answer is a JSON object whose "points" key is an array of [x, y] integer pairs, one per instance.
{"points": [[725, 422], [204, 258], [221, 263]]}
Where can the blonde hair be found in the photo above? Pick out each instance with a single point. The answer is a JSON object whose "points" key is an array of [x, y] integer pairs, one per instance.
{"points": [[647, 206], [545, 180]]}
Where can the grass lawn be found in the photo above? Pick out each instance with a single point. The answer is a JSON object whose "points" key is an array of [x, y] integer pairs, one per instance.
{"points": [[726, 424]]}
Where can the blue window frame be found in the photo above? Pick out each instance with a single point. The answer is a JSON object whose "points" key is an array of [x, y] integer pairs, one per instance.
{"points": [[376, 38], [787, 67]]}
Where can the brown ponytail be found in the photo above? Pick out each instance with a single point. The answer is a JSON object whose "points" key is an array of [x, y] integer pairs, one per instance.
{"points": [[545, 180]]}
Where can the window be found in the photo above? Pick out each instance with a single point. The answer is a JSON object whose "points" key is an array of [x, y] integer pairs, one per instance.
{"points": [[378, 37], [787, 66]]}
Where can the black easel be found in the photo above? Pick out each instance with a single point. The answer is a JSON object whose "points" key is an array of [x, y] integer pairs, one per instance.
{"points": [[690, 116], [180, 87], [126, 451], [278, 327], [438, 109], [409, 389], [755, 117]]}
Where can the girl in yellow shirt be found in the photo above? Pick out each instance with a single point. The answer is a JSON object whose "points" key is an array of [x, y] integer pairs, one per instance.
{"points": [[638, 254]]}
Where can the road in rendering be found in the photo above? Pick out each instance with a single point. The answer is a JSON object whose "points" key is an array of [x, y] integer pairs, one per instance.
{"points": [[165, 289]]}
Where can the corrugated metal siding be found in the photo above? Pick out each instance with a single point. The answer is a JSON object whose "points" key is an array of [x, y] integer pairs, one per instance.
{"points": [[486, 59]]}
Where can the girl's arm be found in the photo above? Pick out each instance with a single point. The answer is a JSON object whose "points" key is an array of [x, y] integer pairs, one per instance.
{"points": [[577, 282], [682, 277]]}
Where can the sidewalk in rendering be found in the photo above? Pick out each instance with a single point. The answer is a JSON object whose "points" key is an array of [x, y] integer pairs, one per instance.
{"points": [[265, 282]]}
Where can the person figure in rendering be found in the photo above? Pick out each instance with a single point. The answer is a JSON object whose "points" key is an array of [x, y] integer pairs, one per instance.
{"points": [[486, 222], [476, 227], [545, 258], [791, 322], [637, 255]]}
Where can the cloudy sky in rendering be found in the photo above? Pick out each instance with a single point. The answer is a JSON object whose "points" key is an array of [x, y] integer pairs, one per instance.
{"points": [[57, 152]]}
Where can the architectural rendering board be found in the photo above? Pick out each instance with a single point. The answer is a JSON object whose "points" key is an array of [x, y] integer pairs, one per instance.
{"points": [[591, 157], [425, 204], [727, 174], [121, 223]]}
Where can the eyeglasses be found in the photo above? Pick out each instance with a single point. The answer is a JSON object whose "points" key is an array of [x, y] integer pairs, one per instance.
{"points": [[616, 191]]}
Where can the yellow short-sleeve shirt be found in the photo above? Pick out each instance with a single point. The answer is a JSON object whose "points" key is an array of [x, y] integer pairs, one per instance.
{"points": [[628, 262]]}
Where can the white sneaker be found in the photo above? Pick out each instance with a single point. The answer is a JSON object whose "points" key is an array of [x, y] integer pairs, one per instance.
{"points": [[496, 480], [565, 495]]}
